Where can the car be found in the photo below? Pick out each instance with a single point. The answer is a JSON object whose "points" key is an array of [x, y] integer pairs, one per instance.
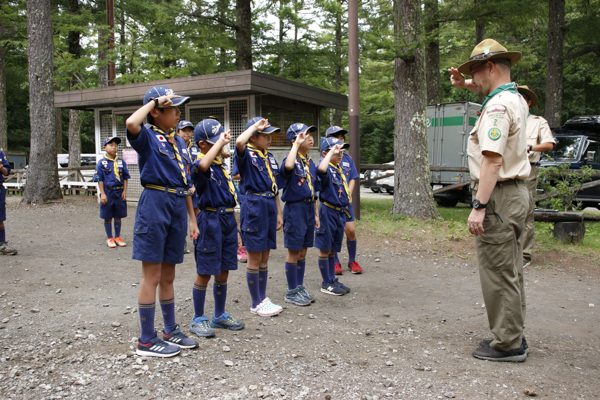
{"points": [[374, 186], [86, 160]]}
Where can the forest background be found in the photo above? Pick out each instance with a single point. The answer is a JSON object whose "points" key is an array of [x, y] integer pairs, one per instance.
{"points": [[301, 40]]}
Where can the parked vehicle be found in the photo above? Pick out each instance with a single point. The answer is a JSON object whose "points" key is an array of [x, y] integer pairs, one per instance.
{"points": [[448, 128], [86, 160], [374, 186], [577, 143]]}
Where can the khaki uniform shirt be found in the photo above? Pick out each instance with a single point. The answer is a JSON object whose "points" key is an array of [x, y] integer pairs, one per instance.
{"points": [[501, 128], [538, 132]]}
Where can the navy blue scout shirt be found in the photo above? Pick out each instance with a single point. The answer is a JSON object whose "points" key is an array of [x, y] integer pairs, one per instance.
{"points": [[332, 187], [5, 164], [156, 158], [294, 182], [254, 172], [349, 168], [105, 172], [211, 186], [194, 151]]}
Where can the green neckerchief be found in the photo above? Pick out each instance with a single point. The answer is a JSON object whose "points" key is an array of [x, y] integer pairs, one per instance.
{"points": [[511, 87]]}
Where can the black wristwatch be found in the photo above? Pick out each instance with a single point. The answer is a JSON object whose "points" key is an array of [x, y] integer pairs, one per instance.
{"points": [[156, 103], [478, 205], [530, 147]]}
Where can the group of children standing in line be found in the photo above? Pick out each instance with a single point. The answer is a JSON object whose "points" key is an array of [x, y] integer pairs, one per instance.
{"points": [[186, 179]]}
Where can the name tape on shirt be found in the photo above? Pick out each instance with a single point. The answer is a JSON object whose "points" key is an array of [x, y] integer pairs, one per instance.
{"points": [[496, 111], [346, 164], [273, 163], [120, 163]]}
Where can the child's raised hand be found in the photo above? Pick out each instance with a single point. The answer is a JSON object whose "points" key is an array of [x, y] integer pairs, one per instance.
{"points": [[262, 124], [225, 137], [301, 138], [337, 149], [165, 101]]}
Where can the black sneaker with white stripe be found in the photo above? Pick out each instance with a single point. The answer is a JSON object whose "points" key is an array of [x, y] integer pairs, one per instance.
{"points": [[177, 338], [157, 348]]}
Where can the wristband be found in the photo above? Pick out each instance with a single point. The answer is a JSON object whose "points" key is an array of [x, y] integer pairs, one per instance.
{"points": [[297, 145]]}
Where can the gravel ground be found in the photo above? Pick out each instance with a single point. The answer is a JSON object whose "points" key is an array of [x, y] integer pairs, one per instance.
{"points": [[68, 324]]}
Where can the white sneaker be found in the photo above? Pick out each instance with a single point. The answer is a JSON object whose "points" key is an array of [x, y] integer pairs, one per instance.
{"points": [[266, 309]]}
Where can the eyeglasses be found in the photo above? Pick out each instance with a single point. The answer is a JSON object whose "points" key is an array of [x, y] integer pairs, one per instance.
{"points": [[473, 70]]}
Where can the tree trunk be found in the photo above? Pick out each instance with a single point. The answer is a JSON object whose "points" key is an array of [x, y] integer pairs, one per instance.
{"points": [[123, 42], [42, 176], [58, 129], [338, 61], [74, 138], [102, 50], [554, 62], [432, 52], [479, 37], [244, 34], [3, 115], [281, 38], [412, 190]]}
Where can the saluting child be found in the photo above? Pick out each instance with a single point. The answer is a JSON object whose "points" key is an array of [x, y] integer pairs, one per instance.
{"points": [[335, 197], [260, 212], [298, 180], [351, 173], [112, 176], [5, 249], [161, 217], [216, 246]]}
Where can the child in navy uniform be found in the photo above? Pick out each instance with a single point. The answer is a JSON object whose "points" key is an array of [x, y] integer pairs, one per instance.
{"points": [[260, 212], [335, 197], [216, 245], [351, 173], [112, 176], [5, 249], [161, 219], [185, 130], [298, 179]]}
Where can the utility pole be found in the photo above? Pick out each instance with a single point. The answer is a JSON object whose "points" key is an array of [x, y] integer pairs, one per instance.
{"points": [[353, 98]]}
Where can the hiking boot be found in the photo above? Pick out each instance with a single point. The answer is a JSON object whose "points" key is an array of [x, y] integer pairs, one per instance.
{"points": [[225, 321], [6, 250], [119, 241], [111, 243], [354, 267], [201, 327], [293, 296], [487, 342], [242, 256], [303, 292], [338, 269], [491, 354]]}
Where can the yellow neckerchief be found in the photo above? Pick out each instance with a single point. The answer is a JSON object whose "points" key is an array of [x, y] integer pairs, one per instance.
{"points": [[265, 159], [339, 170], [115, 166], [306, 162], [171, 137], [219, 162]]}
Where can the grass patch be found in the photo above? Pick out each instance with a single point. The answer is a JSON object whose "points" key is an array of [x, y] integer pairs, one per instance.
{"points": [[590, 245]]}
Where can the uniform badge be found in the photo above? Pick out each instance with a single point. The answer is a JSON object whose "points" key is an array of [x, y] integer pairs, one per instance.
{"points": [[104, 162], [346, 164], [253, 154], [300, 182], [494, 133], [161, 138], [120, 162], [273, 163]]}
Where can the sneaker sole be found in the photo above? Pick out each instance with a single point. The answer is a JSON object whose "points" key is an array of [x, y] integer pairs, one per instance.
{"points": [[357, 272], [331, 293], [181, 346], [122, 245], [269, 314], [232, 328], [154, 354], [297, 302], [205, 335], [9, 253], [518, 358]]}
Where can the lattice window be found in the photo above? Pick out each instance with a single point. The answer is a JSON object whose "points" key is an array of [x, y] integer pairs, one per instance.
{"points": [[197, 114], [283, 112], [238, 117]]}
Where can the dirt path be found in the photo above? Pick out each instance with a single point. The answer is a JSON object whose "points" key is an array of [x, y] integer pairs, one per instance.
{"points": [[406, 331]]}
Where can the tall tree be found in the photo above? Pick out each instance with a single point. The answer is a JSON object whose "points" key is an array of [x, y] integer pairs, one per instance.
{"points": [[554, 62], [432, 51], [103, 36], [244, 34], [412, 189], [42, 177], [74, 46], [3, 115]]}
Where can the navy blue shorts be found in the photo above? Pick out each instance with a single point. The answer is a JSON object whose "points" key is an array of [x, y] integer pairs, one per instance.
{"points": [[2, 203], [331, 233], [259, 223], [160, 227], [195, 200], [298, 225], [351, 211], [216, 246], [115, 207]]}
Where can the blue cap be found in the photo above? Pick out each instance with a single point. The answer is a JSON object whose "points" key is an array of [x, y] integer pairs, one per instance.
{"points": [[111, 139], [329, 142], [297, 128], [335, 131], [158, 91], [184, 124], [268, 129], [208, 130]]}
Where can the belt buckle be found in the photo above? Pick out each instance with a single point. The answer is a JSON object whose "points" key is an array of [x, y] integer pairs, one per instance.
{"points": [[221, 210], [180, 192]]}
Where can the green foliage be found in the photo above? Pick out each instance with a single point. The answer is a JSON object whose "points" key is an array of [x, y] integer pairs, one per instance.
{"points": [[564, 184]]}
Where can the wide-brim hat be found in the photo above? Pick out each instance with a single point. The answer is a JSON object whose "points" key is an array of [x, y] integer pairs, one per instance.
{"points": [[487, 50], [208, 130], [524, 89], [268, 129]]}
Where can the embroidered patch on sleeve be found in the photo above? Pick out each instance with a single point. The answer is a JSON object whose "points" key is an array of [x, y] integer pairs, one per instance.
{"points": [[494, 133]]}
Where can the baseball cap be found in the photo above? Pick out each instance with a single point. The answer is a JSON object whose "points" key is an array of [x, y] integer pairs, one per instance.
{"points": [[297, 128], [268, 129], [335, 131], [329, 142], [184, 124], [111, 139], [208, 130], [157, 91]]}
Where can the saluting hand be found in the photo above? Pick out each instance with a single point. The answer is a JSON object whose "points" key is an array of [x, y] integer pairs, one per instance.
{"points": [[165, 101], [301, 138], [457, 79], [337, 149], [262, 124], [225, 137]]}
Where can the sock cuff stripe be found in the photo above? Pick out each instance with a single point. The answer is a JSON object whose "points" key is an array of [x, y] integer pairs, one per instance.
{"points": [[331, 256], [352, 241], [221, 283], [168, 301], [323, 258], [263, 269], [301, 261], [198, 287], [147, 306], [291, 263], [251, 271]]}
